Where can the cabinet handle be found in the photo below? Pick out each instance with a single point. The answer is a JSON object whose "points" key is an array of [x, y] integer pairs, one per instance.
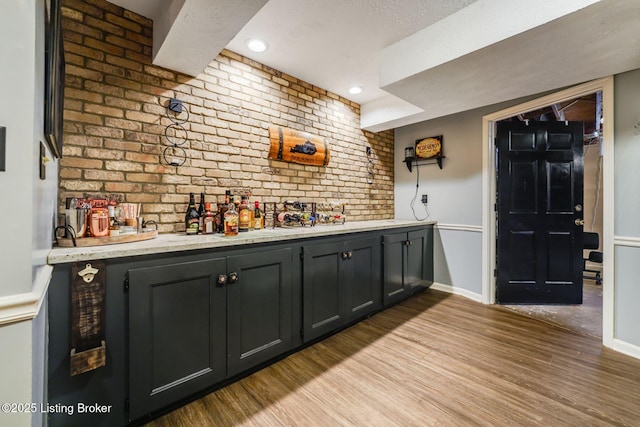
{"points": [[349, 255], [222, 280], [233, 278], [344, 255]]}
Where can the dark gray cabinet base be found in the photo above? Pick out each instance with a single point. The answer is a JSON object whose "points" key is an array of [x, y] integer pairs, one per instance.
{"points": [[173, 331], [340, 283], [177, 333], [408, 263]]}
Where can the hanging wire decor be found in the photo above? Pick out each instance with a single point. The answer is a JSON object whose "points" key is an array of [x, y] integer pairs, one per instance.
{"points": [[175, 154]]}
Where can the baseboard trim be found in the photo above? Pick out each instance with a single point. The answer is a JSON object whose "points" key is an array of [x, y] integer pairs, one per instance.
{"points": [[626, 348], [457, 291], [26, 306]]}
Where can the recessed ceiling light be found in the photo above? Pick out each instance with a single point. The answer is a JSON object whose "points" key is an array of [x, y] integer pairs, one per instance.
{"points": [[354, 90], [257, 45]]}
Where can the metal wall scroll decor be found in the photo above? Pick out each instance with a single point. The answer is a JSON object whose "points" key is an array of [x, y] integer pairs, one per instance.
{"points": [[175, 133]]}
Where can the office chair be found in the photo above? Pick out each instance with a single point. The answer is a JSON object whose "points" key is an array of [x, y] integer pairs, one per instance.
{"points": [[592, 241]]}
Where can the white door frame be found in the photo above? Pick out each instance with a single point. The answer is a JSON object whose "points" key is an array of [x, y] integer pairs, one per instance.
{"points": [[489, 192]]}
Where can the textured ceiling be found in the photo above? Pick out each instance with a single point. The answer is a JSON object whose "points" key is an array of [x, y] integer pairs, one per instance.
{"points": [[416, 59], [335, 44]]}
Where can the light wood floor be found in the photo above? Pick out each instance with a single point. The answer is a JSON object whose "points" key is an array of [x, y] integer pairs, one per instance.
{"points": [[585, 318], [434, 360]]}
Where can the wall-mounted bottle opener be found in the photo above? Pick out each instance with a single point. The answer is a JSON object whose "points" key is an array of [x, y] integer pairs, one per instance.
{"points": [[88, 348]]}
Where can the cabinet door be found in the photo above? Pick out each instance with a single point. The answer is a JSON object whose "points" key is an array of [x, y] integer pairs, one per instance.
{"points": [[324, 294], [260, 308], [419, 271], [177, 332], [364, 281], [394, 266]]}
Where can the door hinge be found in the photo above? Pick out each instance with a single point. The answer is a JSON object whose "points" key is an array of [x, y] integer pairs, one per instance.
{"points": [[125, 283], [495, 207], [302, 333], [495, 272], [301, 253], [126, 405]]}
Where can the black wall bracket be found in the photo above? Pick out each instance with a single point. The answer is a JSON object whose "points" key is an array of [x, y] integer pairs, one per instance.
{"points": [[3, 148], [410, 161]]}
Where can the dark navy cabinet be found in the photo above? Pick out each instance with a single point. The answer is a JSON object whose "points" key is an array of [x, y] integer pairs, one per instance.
{"points": [[177, 332], [193, 324], [407, 263], [181, 323], [340, 283], [260, 308]]}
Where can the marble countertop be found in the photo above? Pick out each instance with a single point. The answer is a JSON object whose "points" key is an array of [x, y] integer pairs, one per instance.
{"points": [[176, 242]]}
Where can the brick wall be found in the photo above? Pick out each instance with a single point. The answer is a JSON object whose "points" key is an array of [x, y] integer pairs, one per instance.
{"points": [[115, 121]]}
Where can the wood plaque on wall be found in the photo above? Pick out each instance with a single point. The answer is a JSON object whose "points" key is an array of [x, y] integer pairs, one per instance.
{"points": [[88, 349], [290, 145]]}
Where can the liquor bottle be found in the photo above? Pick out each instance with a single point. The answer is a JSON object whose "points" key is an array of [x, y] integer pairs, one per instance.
{"points": [[114, 226], [227, 197], [201, 214], [191, 218], [222, 209], [257, 216], [245, 215], [252, 215], [208, 220], [231, 221]]}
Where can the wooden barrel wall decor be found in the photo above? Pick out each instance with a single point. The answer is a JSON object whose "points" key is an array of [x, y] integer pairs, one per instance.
{"points": [[290, 145]]}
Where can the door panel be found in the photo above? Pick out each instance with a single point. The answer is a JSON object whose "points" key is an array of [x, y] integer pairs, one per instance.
{"points": [[416, 256], [394, 268], [522, 267], [559, 257], [539, 247], [260, 308], [560, 178], [324, 292], [364, 268], [177, 333], [524, 176]]}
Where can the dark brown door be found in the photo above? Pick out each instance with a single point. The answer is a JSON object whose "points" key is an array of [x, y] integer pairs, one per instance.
{"points": [[540, 215]]}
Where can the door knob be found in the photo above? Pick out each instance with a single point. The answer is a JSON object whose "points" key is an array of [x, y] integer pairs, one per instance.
{"points": [[233, 277], [579, 222], [344, 255], [222, 280]]}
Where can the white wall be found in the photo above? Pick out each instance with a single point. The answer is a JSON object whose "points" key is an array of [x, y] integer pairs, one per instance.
{"points": [[17, 114], [455, 195], [15, 371], [455, 202], [26, 218], [627, 208]]}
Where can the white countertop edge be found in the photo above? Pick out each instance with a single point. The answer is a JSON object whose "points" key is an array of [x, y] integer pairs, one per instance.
{"points": [[178, 242]]}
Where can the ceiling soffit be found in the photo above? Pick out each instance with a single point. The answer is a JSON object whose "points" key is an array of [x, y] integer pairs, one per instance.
{"points": [[425, 58], [593, 42]]}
